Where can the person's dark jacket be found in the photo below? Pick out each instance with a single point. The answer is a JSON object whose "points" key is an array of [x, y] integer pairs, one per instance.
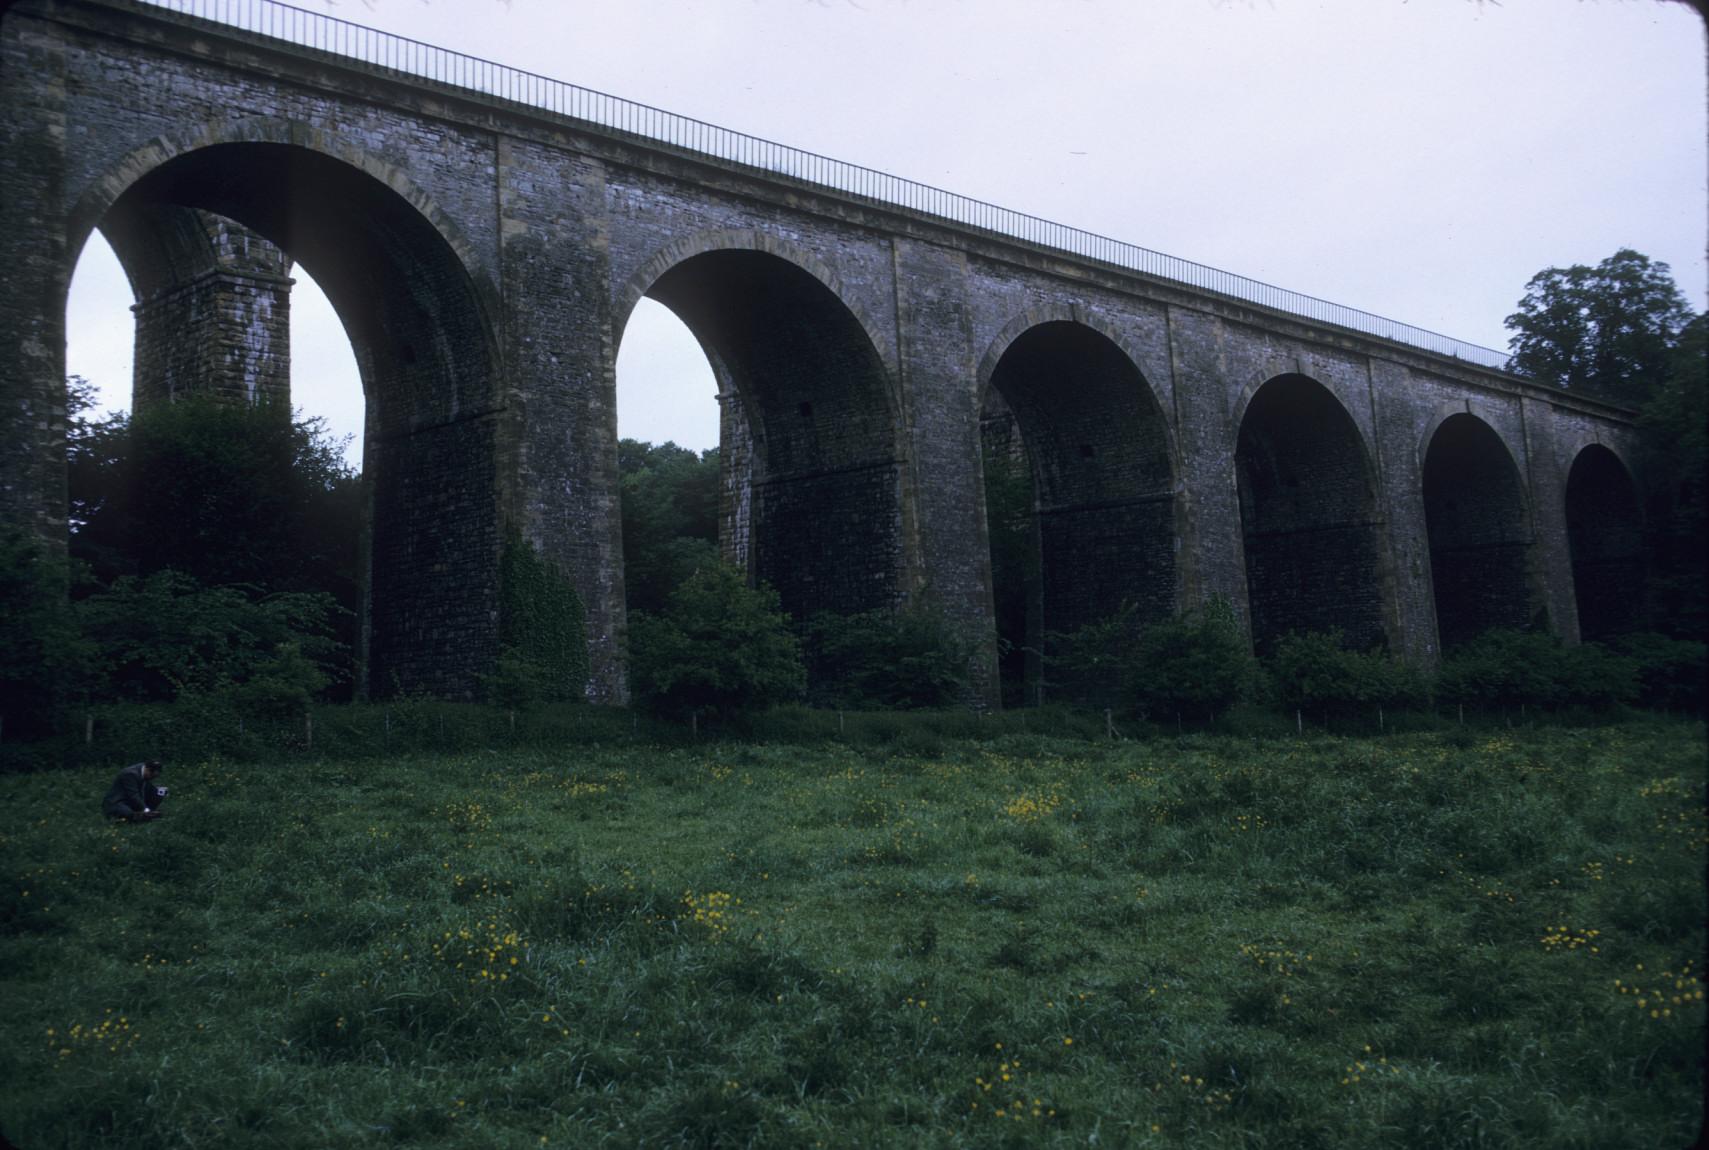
{"points": [[130, 794]]}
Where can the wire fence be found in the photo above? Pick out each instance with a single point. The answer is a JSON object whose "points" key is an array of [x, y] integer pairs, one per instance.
{"points": [[414, 60]]}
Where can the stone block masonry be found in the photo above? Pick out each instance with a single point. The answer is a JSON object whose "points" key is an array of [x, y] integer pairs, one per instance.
{"points": [[213, 311], [484, 258]]}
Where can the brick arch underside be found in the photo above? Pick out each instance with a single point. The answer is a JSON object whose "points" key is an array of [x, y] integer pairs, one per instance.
{"points": [[824, 510], [1308, 517], [1104, 504], [1605, 537], [425, 352], [1474, 513]]}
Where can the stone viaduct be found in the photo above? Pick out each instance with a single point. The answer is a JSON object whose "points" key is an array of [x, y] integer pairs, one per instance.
{"points": [[484, 235]]}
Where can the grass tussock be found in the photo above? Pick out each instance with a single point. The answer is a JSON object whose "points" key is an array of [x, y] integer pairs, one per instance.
{"points": [[1427, 939]]}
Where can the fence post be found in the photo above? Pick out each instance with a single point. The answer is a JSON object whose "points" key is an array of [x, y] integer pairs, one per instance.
{"points": [[308, 731], [1109, 725], [1299, 722], [88, 729]]}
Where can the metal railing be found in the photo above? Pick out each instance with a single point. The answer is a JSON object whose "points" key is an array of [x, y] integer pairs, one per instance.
{"points": [[418, 61]]}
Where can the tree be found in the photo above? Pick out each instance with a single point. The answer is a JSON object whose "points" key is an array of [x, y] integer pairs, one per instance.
{"points": [[1607, 330], [223, 492], [670, 518], [1675, 466]]}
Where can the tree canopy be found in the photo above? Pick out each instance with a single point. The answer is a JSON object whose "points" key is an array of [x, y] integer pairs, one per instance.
{"points": [[1607, 331], [222, 492], [670, 518]]}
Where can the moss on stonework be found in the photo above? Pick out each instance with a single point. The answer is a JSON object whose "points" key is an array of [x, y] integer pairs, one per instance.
{"points": [[542, 625]]}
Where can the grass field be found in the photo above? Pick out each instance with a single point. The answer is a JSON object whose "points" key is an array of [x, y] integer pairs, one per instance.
{"points": [[1438, 940]]}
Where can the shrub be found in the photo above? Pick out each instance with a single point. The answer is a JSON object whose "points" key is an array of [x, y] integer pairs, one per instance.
{"points": [[1590, 675], [1504, 668], [890, 660], [1316, 672], [1196, 663], [157, 637], [282, 686], [1670, 671], [1097, 663], [720, 647], [516, 683]]}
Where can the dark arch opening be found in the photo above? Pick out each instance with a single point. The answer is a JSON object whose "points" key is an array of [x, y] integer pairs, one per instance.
{"points": [[1474, 513], [424, 351], [813, 479], [1308, 517], [1079, 493], [1606, 537]]}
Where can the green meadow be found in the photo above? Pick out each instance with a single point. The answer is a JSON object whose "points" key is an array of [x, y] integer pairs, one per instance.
{"points": [[1436, 939]]}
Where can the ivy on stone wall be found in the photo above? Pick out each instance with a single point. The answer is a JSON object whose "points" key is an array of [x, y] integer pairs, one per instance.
{"points": [[542, 630]]}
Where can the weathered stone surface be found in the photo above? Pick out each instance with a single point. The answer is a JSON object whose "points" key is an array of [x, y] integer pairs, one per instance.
{"points": [[213, 311], [484, 257]]}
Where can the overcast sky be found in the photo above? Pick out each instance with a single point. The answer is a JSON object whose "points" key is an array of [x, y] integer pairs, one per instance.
{"points": [[1420, 159]]}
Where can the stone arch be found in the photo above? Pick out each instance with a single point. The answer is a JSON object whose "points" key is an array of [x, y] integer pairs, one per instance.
{"points": [[810, 414], [418, 313], [750, 240], [1080, 482], [1310, 525], [1059, 312], [1243, 401], [1480, 412], [104, 191], [1605, 538], [1478, 525]]}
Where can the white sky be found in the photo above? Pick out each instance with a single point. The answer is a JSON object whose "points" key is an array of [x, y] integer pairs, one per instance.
{"points": [[1420, 159]]}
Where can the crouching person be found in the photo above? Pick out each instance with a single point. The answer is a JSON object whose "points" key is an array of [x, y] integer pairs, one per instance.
{"points": [[133, 795]]}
